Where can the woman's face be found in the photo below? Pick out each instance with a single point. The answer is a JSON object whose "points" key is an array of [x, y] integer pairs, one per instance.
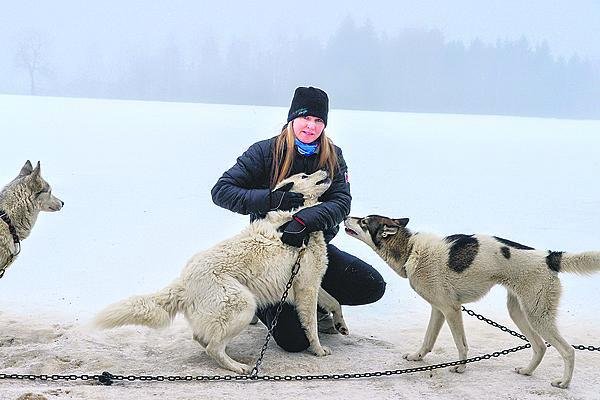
{"points": [[308, 129]]}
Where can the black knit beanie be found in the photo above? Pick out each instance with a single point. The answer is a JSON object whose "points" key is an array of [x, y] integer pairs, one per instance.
{"points": [[309, 101]]}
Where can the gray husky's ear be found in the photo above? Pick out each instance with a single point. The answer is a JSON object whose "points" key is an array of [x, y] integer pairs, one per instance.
{"points": [[402, 222], [389, 230], [26, 170], [35, 174]]}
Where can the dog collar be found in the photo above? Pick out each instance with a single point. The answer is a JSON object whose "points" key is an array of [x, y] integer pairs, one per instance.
{"points": [[13, 231]]}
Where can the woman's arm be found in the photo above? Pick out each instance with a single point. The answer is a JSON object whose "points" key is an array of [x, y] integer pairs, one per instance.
{"points": [[241, 188]]}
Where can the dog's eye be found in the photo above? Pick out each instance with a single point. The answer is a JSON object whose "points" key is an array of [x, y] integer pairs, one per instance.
{"points": [[304, 176]]}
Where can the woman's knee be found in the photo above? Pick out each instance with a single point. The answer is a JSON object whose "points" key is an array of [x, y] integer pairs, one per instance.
{"points": [[370, 287], [351, 280], [290, 343], [377, 291], [288, 333]]}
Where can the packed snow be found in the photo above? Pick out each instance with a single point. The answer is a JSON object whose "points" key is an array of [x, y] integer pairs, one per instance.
{"points": [[136, 178]]}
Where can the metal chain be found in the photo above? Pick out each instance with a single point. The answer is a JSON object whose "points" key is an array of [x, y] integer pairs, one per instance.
{"points": [[3, 269], [288, 286], [494, 324], [106, 378], [517, 334]]}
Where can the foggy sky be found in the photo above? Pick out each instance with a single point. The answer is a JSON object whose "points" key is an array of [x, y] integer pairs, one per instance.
{"points": [[522, 58], [568, 26]]}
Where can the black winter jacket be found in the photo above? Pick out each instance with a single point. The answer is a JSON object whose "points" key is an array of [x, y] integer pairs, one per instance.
{"points": [[244, 188]]}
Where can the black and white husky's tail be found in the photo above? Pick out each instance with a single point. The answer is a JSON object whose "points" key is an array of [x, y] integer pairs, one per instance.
{"points": [[155, 310], [580, 263]]}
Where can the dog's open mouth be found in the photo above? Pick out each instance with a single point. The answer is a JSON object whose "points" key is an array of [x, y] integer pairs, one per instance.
{"points": [[325, 181], [351, 232]]}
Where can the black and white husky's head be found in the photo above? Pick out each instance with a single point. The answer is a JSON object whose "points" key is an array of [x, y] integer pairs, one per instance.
{"points": [[387, 236], [311, 186], [375, 230]]}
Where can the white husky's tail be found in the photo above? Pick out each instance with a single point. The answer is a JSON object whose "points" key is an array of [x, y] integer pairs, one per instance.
{"points": [[155, 310], [581, 263]]}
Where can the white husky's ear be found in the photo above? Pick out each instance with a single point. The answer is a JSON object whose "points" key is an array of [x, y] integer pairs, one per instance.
{"points": [[389, 230], [286, 187], [26, 169]]}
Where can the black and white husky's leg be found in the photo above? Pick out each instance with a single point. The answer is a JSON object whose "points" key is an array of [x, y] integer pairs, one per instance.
{"points": [[539, 305], [436, 320], [455, 322], [330, 304], [537, 343]]}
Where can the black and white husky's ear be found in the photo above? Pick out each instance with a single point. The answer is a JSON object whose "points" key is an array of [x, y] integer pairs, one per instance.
{"points": [[389, 230], [26, 169], [286, 187], [402, 222]]}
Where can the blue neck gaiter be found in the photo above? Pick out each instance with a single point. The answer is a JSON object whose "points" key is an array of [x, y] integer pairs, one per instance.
{"points": [[307, 149]]}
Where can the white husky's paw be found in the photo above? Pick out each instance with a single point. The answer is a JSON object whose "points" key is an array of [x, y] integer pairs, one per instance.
{"points": [[560, 383], [459, 369], [413, 357], [523, 371], [242, 369], [340, 325], [323, 351]]}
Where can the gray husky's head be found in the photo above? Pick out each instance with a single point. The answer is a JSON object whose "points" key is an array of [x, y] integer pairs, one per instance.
{"points": [[311, 186], [30, 190], [376, 230]]}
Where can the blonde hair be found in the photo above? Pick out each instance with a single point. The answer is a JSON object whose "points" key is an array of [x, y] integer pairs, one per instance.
{"points": [[283, 155]]}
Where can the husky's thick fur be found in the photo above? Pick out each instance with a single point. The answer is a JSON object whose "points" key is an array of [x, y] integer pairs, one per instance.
{"points": [[450, 271], [20, 203], [219, 289]]}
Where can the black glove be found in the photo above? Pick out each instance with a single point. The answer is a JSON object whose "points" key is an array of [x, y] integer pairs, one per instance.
{"points": [[283, 200], [294, 232]]}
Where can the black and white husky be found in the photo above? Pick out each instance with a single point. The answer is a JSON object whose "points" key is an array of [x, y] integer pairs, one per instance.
{"points": [[450, 271]]}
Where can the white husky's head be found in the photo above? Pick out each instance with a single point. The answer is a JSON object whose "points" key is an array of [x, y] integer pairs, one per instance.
{"points": [[29, 187], [311, 186]]}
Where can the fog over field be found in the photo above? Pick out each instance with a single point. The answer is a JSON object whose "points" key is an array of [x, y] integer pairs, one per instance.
{"points": [[502, 57]]}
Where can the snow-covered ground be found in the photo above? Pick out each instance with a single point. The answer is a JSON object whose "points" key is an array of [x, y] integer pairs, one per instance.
{"points": [[136, 178]]}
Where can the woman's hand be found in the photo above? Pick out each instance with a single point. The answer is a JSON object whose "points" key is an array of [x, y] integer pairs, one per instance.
{"points": [[283, 200], [294, 232]]}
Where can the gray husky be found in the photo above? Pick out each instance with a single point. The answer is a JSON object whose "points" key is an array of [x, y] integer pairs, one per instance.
{"points": [[20, 202], [219, 289], [457, 269]]}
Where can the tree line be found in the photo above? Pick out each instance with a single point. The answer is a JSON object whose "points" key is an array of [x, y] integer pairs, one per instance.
{"points": [[414, 70]]}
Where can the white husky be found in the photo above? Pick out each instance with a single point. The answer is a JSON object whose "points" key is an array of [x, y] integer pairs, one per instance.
{"points": [[457, 269], [219, 289], [20, 203]]}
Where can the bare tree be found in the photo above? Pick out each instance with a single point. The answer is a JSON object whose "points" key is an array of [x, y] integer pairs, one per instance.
{"points": [[30, 56]]}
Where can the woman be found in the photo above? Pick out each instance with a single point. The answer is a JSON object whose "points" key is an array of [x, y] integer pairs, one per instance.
{"points": [[245, 188]]}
